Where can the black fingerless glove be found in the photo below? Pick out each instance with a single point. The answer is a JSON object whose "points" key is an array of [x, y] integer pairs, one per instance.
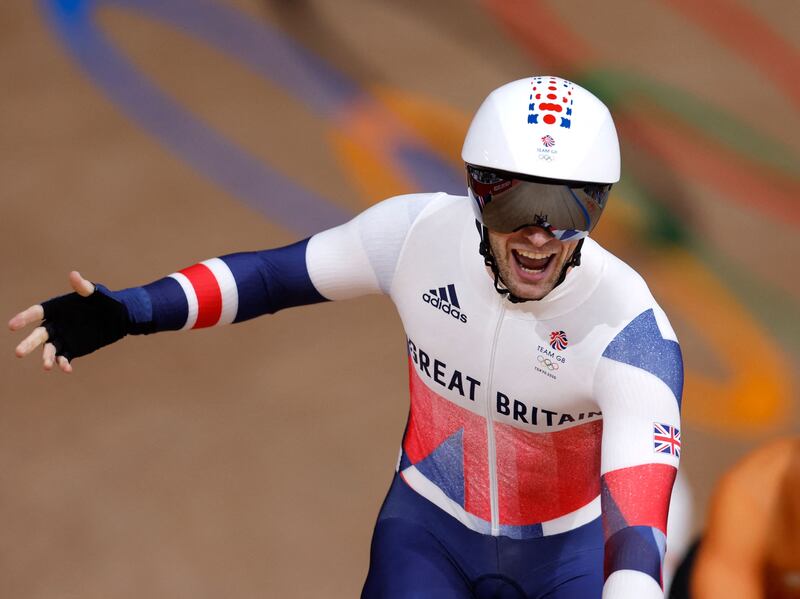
{"points": [[79, 325]]}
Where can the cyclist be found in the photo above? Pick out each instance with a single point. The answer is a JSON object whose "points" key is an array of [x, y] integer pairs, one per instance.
{"points": [[543, 437]]}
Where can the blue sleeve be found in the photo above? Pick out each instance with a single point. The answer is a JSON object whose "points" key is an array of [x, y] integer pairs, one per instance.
{"points": [[272, 280], [233, 288]]}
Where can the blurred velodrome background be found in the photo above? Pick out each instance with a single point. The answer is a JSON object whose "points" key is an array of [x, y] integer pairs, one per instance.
{"points": [[140, 136]]}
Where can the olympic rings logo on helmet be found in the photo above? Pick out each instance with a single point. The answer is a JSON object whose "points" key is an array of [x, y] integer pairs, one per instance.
{"points": [[547, 362]]}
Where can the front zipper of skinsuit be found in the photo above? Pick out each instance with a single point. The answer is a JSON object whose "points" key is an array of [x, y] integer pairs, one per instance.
{"points": [[492, 450]]}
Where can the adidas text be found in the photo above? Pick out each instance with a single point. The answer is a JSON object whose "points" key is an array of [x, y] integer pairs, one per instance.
{"points": [[444, 306]]}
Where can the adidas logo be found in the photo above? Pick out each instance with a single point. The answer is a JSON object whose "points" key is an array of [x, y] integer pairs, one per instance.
{"points": [[446, 300]]}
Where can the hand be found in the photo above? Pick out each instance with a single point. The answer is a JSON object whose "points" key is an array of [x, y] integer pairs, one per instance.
{"points": [[40, 336]]}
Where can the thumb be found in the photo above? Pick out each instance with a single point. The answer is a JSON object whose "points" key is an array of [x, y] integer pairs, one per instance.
{"points": [[81, 285]]}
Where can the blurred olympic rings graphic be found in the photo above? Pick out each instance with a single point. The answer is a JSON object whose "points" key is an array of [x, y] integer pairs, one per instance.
{"points": [[547, 363]]}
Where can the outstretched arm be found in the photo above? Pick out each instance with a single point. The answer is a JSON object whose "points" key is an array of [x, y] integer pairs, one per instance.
{"points": [[222, 290], [356, 258], [638, 385]]}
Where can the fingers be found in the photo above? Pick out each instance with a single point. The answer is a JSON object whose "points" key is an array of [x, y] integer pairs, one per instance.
{"points": [[64, 364], [31, 342], [49, 356], [50, 359], [39, 336], [26, 317], [35, 313], [80, 285]]}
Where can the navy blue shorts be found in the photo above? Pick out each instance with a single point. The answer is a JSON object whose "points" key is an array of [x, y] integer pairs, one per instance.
{"points": [[419, 551]]}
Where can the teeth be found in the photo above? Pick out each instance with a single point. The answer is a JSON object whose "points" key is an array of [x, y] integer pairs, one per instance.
{"points": [[534, 255], [533, 270]]}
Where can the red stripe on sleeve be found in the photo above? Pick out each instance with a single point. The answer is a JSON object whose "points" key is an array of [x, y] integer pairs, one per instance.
{"points": [[209, 296], [640, 495]]}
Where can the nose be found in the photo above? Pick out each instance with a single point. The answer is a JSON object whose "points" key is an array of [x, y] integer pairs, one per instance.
{"points": [[535, 234]]}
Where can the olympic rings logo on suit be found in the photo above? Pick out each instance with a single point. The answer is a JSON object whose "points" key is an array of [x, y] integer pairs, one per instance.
{"points": [[547, 363]]}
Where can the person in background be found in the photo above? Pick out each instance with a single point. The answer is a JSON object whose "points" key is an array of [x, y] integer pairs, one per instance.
{"points": [[751, 547]]}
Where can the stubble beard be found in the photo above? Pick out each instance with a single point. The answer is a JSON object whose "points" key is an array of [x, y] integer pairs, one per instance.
{"points": [[507, 277]]}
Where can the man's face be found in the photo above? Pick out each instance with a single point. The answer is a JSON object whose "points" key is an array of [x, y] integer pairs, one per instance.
{"points": [[530, 260]]}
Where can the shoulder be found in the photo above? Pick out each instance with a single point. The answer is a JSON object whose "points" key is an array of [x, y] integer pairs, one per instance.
{"points": [[396, 219], [622, 288], [622, 298], [425, 214], [410, 205], [438, 206], [637, 330], [388, 220]]}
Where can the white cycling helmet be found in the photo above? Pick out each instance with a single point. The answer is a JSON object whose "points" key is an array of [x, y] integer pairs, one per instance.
{"points": [[541, 151]]}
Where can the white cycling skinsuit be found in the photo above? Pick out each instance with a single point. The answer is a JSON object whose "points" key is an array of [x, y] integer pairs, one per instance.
{"points": [[543, 437], [505, 432]]}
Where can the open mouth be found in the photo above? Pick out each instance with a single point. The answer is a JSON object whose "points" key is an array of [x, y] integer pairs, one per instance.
{"points": [[533, 263]]}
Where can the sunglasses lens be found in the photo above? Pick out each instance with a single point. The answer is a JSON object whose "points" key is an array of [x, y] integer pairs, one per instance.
{"points": [[569, 211]]}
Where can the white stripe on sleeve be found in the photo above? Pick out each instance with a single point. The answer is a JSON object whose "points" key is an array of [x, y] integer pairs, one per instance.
{"points": [[191, 298]]}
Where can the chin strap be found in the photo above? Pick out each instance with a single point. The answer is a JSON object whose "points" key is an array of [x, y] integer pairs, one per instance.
{"points": [[485, 250], [574, 260]]}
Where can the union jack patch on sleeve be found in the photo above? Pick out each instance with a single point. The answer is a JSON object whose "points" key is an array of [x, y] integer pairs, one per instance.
{"points": [[667, 439]]}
